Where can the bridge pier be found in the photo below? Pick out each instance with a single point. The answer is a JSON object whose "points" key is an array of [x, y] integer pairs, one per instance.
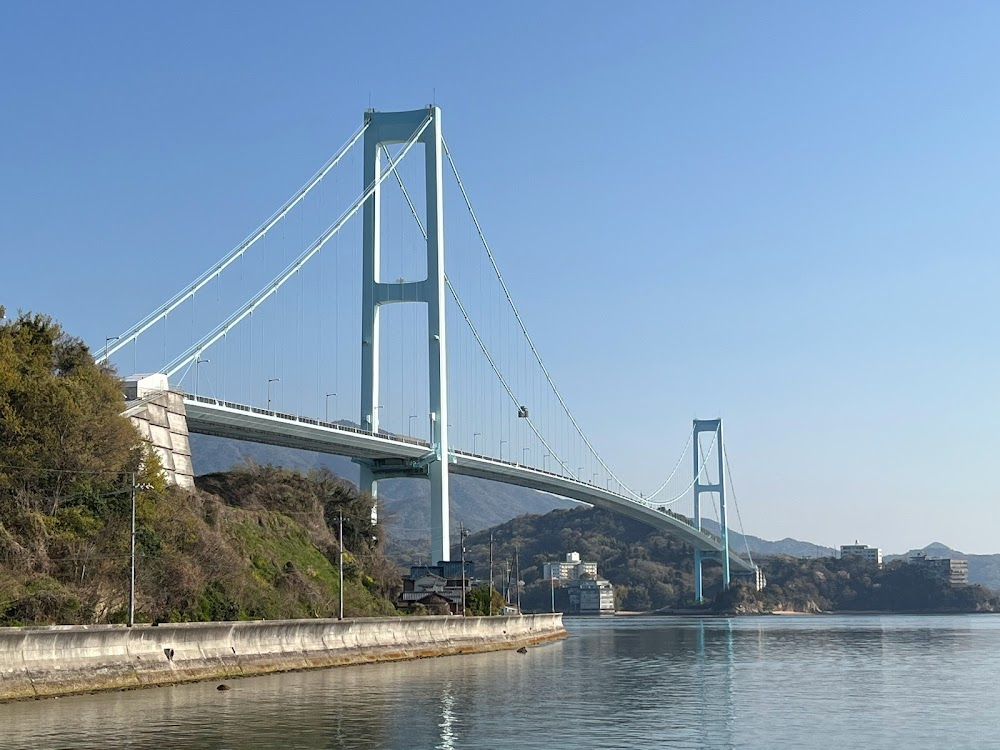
{"points": [[400, 127], [159, 416]]}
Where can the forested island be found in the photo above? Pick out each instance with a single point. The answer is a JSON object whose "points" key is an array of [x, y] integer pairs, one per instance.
{"points": [[653, 572]]}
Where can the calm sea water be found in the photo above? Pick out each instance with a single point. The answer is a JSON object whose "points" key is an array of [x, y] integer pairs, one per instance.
{"points": [[767, 682]]}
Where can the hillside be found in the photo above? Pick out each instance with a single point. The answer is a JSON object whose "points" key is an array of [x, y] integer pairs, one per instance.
{"points": [[251, 543], [248, 544], [649, 569], [852, 584], [405, 503], [652, 571]]}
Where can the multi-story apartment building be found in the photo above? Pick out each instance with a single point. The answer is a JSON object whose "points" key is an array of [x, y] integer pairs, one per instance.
{"points": [[874, 554]]}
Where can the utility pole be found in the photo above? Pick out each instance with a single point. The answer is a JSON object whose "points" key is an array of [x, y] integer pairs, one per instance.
{"points": [[131, 562], [491, 575], [461, 541], [131, 556], [517, 578], [341, 565]]}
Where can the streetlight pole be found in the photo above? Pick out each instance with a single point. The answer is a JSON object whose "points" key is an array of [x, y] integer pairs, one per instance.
{"points": [[341, 565], [197, 372], [461, 538], [501, 449], [524, 456], [409, 427], [327, 412], [131, 556], [107, 345], [517, 577], [552, 587], [474, 436], [270, 380], [545, 465]]}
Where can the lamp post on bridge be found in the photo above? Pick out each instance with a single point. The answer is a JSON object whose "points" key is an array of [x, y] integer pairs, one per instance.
{"points": [[474, 436], [409, 428], [197, 372], [327, 405], [270, 380], [107, 345], [501, 449], [545, 466], [524, 456]]}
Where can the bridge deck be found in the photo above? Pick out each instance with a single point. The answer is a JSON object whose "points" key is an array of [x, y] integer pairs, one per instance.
{"points": [[208, 416]]}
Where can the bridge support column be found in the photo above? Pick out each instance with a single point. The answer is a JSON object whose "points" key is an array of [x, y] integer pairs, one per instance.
{"points": [[399, 127], [700, 486]]}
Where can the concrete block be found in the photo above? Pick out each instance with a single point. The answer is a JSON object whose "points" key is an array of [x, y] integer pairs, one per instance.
{"points": [[177, 422], [180, 444], [157, 415], [166, 458], [142, 425]]}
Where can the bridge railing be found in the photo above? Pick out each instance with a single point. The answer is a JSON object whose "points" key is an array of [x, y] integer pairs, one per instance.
{"points": [[308, 420], [628, 498]]}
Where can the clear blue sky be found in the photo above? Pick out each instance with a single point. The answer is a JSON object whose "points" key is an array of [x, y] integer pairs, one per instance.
{"points": [[783, 213]]}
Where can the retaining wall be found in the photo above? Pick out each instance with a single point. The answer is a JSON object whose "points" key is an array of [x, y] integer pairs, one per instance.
{"points": [[60, 660]]}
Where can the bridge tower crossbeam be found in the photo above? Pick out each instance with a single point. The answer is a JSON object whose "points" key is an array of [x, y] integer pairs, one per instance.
{"points": [[387, 128]]}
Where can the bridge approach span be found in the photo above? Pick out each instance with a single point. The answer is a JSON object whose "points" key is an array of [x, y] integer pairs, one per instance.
{"points": [[207, 416]]}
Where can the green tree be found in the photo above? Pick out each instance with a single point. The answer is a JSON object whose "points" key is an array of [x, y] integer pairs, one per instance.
{"points": [[61, 428], [477, 602]]}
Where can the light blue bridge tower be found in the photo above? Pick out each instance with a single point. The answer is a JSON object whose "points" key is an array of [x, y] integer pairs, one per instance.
{"points": [[700, 486], [387, 128]]}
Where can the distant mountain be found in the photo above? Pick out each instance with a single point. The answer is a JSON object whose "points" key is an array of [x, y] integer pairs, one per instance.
{"points": [[476, 503], [758, 546]]}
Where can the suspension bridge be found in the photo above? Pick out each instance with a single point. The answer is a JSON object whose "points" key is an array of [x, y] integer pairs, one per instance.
{"points": [[261, 344]]}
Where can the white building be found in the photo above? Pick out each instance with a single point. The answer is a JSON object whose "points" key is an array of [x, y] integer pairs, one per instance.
{"points": [[592, 597], [873, 554], [955, 572], [570, 570], [589, 594]]}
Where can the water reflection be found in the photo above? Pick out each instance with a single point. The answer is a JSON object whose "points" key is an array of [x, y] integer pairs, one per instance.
{"points": [[647, 682], [447, 718]]}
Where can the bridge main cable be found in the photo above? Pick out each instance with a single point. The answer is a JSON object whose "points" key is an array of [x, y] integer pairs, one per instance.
{"points": [[189, 291], [223, 328]]}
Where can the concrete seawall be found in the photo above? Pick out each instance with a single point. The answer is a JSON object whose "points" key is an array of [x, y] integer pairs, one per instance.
{"points": [[64, 659]]}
